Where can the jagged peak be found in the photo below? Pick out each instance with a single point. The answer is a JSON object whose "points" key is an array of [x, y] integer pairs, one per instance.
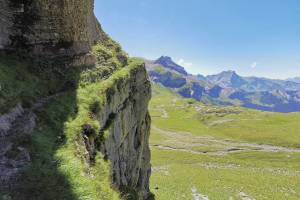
{"points": [[167, 62], [164, 58], [229, 73], [294, 79]]}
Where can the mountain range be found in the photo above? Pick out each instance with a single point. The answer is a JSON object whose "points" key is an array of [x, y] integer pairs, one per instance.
{"points": [[227, 88], [295, 79]]}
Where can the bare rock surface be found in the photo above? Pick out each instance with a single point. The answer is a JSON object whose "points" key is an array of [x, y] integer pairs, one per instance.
{"points": [[127, 146], [126, 121], [60, 30], [13, 156], [52, 28]]}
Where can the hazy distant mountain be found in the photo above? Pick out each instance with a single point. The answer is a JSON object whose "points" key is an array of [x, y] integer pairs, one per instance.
{"points": [[230, 79], [201, 77], [296, 79], [227, 88], [227, 79]]}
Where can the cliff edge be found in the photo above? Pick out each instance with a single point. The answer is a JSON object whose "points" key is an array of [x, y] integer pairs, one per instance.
{"points": [[74, 121]]}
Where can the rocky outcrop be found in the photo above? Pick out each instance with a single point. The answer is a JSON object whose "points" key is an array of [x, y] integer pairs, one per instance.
{"points": [[7, 120], [16, 127], [193, 90], [126, 119], [168, 79], [124, 133], [50, 28], [215, 91], [14, 157], [67, 30], [167, 62]]}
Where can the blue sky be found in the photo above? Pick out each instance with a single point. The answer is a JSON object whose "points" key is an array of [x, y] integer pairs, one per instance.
{"points": [[252, 37]]}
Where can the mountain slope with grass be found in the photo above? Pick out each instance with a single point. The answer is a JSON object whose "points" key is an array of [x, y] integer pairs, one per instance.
{"points": [[202, 151], [227, 88], [74, 120]]}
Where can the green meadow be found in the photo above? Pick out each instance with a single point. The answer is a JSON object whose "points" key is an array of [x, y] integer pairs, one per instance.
{"points": [[204, 152]]}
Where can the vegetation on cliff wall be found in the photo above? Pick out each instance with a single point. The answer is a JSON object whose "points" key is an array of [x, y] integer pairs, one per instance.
{"points": [[17, 84], [61, 167], [65, 91], [64, 132]]}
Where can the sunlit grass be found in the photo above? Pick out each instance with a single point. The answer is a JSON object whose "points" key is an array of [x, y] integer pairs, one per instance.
{"points": [[260, 175], [231, 122], [60, 167]]}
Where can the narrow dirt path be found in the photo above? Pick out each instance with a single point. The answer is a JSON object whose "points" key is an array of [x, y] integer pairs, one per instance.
{"points": [[162, 110], [185, 141]]}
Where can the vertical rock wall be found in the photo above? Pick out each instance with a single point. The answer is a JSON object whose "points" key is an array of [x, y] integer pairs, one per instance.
{"points": [[68, 28], [127, 121], [49, 27]]}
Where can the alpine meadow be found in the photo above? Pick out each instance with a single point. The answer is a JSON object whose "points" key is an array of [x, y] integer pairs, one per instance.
{"points": [[149, 100]]}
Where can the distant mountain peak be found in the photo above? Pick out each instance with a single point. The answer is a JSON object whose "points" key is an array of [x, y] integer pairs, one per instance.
{"points": [[295, 79], [227, 79], [164, 58], [227, 87], [229, 73], [167, 62]]}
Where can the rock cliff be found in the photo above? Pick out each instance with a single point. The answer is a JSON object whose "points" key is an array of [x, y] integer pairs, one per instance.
{"points": [[125, 126], [49, 27], [113, 124]]}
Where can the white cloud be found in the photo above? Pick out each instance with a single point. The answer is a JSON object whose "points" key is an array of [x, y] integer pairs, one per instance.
{"points": [[183, 63], [253, 65]]}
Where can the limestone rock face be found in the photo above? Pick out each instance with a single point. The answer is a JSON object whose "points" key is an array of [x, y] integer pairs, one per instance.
{"points": [[126, 125], [15, 124], [49, 27], [127, 146], [59, 29]]}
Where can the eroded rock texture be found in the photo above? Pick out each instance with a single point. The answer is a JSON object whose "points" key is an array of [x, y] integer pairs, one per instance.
{"points": [[124, 134], [18, 123], [49, 27], [127, 119], [68, 29]]}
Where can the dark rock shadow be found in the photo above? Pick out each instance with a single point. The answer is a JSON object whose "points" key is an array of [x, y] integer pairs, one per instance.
{"points": [[41, 179]]}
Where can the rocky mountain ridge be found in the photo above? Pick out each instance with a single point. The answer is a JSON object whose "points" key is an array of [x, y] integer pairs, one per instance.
{"points": [[228, 88], [230, 79], [295, 79], [168, 63]]}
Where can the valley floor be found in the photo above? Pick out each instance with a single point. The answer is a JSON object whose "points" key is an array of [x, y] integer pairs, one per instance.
{"points": [[202, 152]]}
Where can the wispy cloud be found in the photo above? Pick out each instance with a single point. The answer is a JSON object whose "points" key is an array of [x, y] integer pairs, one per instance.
{"points": [[183, 63], [253, 65]]}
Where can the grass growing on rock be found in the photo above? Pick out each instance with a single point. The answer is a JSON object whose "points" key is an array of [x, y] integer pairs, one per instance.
{"points": [[17, 84], [59, 168], [96, 177], [58, 164], [58, 142], [109, 57]]}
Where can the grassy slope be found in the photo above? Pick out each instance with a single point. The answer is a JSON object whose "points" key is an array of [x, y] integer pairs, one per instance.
{"points": [[232, 122], [83, 181], [17, 84], [261, 175], [59, 169]]}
